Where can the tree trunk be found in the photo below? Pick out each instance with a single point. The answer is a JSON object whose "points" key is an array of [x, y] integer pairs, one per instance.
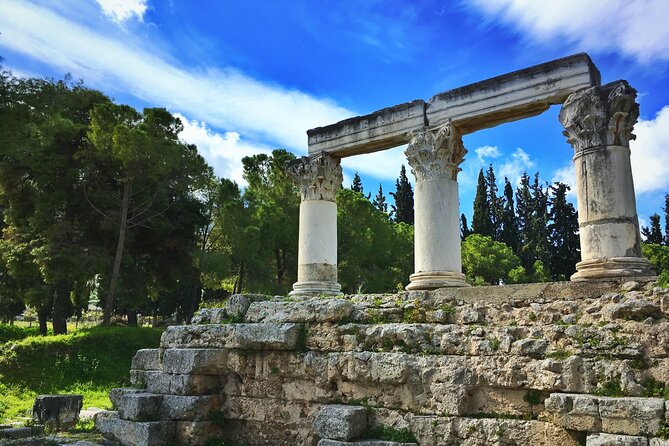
{"points": [[61, 306], [109, 302], [42, 315], [132, 318]]}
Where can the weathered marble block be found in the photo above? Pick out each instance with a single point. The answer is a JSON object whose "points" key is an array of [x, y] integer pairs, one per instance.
{"points": [[197, 361], [340, 422], [59, 411]]}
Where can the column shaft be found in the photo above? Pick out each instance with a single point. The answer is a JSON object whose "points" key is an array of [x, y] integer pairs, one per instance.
{"points": [[318, 178], [434, 156], [598, 123]]}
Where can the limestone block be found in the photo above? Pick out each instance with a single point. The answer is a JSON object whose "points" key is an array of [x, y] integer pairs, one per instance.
{"points": [[116, 394], [238, 304], [657, 442], [138, 378], [12, 433], [132, 433], [632, 309], [196, 433], [238, 336], [146, 359], [198, 361], [189, 407], [340, 422], [573, 411], [534, 348], [210, 316], [173, 384], [328, 442], [631, 416], [320, 310], [140, 407], [61, 412], [615, 440]]}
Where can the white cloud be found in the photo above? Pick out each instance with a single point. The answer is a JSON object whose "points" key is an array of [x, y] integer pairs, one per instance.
{"points": [[381, 165], [650, 153], [487, 152], [225, 99], [635, 28], [121, 10], [566, 175], [519, 162], [223, 151]]}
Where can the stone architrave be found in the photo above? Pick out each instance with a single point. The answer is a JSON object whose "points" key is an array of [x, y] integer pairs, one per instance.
{"points": [[434, 155], [318, 178], [598, 123]]}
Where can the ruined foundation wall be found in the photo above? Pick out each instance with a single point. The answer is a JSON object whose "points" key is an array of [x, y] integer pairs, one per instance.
{"points": [[538, 364]]}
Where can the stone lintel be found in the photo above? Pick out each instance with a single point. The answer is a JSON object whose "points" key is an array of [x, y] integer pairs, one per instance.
{"points": [[513, 96], [376, 131], [480, 105]]}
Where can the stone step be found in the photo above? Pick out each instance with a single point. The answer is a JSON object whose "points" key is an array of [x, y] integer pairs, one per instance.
{"points": [[158, 407], [134, 433]]}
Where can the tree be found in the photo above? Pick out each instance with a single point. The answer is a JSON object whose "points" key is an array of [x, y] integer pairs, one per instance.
{"points": [[495, 204], [379, 201], [144, 156], [485, 261], [402, 210], [356, 186], [658, 255], [563, 233], [654, 233], [464, 227], [481, 220], [666, 219], [509, 234]]}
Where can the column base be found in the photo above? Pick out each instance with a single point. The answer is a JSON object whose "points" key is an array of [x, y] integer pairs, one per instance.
{"points": [[614, 268], [430, 280], [315, 288]]}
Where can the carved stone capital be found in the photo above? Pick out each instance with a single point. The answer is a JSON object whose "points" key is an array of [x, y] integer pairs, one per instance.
{"points": [[600, 116], [436, 153], [318, 177]]}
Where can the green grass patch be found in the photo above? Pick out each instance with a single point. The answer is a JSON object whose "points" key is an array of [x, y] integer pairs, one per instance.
{"points": [[15, 333], [387, 433], [89, 362]]}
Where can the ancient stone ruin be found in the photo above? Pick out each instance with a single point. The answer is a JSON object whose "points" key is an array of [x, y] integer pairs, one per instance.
{"points": [[581, 362]]}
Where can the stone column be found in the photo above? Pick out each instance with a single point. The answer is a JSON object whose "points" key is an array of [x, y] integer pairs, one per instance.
{"points": [[434, 155], [318, 178], [598, 123]]}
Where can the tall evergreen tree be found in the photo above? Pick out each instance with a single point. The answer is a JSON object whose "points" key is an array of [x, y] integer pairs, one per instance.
{"points": [[481, 220], [402, 210], [666, 219], [539, 244], [509, 234], [464, 227], [654, 233], [356, 186], [379, 201], [495, 204], [563, 233]]}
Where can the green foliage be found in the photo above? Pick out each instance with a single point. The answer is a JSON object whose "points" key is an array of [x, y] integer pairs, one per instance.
{"points": [[559, 353], [609, 388], [484, 258], [563, 234], [402, 210], [657, 389], [89, 361], [533, 397], [387, 433], [658, 255], [14, 333], [482, 223], [653, 234], [663, 431]]}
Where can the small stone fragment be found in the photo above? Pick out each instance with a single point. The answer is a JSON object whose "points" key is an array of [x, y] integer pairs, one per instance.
{"points": [[341, 422]]}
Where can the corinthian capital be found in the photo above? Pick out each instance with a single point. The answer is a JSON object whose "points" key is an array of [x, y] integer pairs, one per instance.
{"points": [[600, 116], [436, 153], [318, 177]]}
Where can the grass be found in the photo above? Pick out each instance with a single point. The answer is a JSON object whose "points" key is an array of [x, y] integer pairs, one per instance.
{"points": [[89, 362]]}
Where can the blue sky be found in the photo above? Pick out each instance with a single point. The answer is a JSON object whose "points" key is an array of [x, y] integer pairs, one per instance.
{"points": [[250, 76]]}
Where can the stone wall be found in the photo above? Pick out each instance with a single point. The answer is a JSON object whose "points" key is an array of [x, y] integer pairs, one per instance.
{"points": [[539, 364]]}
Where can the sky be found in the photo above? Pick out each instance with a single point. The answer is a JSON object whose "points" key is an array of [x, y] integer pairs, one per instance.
{"points": [[247, 77]]}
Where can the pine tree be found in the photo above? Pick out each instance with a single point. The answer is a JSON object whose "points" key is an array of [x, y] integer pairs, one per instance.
{"points": [[563, 233], [379, 201], [402, 210], [654, 233], [464, 227], [481, 221], [509, 235], [357, 184], [495, 204]]}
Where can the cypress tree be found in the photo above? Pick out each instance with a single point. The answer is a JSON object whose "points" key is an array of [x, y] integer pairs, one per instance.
{"points": [[495, 204], [539, 244], [402, 210], [666, 219], [357, 184], [509, 234], [379, 201], [654, 233], [524, 220], [464, 227], [563, 233], [481, 222]]}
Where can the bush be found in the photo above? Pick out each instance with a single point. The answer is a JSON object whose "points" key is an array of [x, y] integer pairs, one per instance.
{"points": [[485, 261], [14, 333]]}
